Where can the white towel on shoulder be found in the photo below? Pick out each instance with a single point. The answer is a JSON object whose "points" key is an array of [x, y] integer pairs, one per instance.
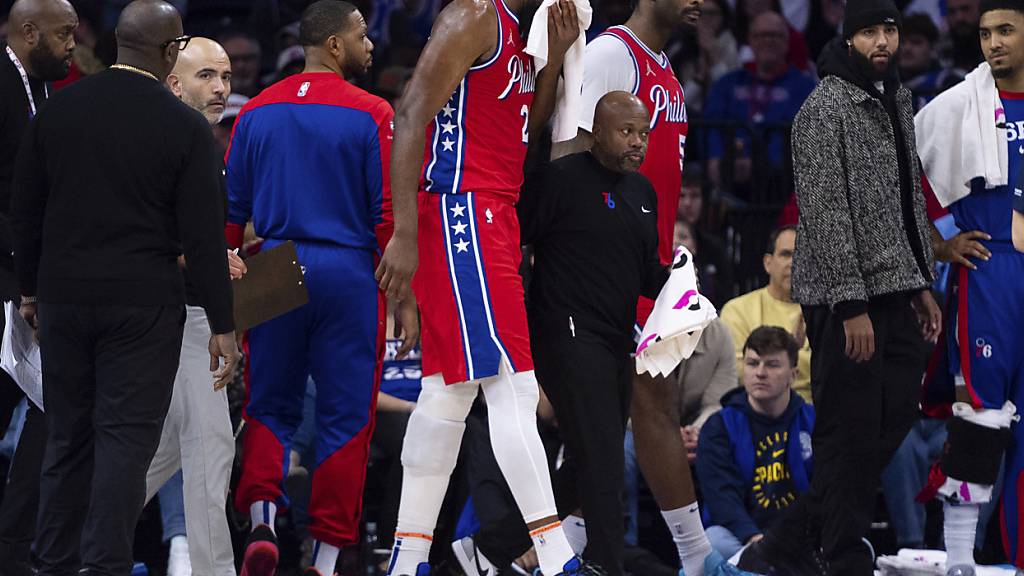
{"points": [[570, 88], [961, 136], [677, 322]]}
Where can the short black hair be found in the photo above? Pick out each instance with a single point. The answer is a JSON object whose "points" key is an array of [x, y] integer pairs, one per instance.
{"points": [[920, 24], [772, 339], [774, 237], [989, 5], [322, 19]]}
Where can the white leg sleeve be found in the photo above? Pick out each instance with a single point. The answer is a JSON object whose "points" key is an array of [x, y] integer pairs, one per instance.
{"points": [[430, 450], [512, 408]]}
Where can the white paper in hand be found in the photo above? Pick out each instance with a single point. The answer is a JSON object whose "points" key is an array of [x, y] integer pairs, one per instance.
{"points": [[19, 355], [677, 322]]}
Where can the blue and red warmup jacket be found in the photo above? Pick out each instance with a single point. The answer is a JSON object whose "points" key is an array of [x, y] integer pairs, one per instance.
{"points": [[328, 182]]}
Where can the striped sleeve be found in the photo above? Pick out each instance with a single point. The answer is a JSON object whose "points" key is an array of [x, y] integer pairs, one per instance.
{"points": [[378, 172]]}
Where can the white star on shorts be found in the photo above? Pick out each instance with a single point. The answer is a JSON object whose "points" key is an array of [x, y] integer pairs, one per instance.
{"points": [[447, 145], [462, 245], [457, 210], [459, 228]]}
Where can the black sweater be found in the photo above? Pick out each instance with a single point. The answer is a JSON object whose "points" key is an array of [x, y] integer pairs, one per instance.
{"points": [[595, 237], [115, 179], [14, 118]]}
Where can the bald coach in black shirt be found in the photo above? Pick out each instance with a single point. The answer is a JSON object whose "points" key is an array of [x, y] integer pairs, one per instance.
{"points": [[592, 219], [114, 180]]}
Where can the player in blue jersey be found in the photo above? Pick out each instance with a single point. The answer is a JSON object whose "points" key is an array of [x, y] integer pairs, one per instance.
{"points": [[309, 162], [986, 351]]}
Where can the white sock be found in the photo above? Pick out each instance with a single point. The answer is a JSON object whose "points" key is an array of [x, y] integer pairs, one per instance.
{"points": [[575, 529], [263, 512], [688, 534], [553, 549], [178, 563], [325, 557], [961, 521], [409, 551]]}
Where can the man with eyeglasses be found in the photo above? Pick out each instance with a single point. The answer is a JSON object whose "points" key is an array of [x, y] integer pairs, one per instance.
{"points": [[114, 180]]}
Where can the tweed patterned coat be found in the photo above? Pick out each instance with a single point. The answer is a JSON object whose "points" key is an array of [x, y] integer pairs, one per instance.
{"points": [[851, 243]]}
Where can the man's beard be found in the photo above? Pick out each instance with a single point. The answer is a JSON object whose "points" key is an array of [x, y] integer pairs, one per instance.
{"points": [[355, 70], [868, 69], [1001, 73], [46, 65]]}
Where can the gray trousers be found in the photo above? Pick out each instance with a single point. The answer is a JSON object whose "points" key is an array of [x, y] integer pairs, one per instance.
{"points": [[198, 439]]}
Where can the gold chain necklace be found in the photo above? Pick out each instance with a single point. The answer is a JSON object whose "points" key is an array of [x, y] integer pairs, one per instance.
{"points": [[136, 70]]}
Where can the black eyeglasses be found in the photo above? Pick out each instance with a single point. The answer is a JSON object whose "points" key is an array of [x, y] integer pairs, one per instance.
{"points": [[181, 41]]}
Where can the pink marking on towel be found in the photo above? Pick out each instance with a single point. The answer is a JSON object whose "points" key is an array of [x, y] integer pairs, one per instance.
{"points": [[685, 300], [645, 343], [965, 492]]}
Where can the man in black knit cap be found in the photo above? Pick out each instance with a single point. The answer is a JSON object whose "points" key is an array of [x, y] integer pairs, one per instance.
{"points": [[861, 271]]}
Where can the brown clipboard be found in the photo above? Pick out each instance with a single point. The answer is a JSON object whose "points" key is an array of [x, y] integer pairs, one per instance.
{"points": [[272, 286]]}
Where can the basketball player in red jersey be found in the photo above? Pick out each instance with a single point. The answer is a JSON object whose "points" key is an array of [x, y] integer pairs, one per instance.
{"points": [[630, 58], [461, 140]]}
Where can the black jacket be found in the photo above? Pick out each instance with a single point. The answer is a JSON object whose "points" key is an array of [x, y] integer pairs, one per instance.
{"points": [[14, 118], [115, 179], [863, 231]]}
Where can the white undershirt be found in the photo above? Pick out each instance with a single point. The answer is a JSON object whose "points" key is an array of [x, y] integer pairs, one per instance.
{"points": [[608, 66]]}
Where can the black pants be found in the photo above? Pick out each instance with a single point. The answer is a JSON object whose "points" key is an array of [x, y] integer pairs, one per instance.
{"points": [[589, 382], [503, 536], [863, 413], [109, 371], [386, 461], [21, 492], [21, 496]]}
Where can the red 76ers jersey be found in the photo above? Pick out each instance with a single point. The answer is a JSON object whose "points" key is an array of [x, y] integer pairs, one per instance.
{"points": [[654, 82], [477, 142]]}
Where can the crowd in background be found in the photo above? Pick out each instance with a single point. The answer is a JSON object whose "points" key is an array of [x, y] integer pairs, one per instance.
{"points": [[746, 72]]}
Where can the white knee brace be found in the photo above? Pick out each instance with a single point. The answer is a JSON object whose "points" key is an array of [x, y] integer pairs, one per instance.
{"points": [[435, 429]]}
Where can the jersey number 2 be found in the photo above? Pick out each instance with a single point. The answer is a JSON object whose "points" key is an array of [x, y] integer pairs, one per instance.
{"points": [[525, 113]]}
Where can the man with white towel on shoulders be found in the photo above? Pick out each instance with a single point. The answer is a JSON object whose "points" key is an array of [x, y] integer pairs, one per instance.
{"points": [[971, 143]]}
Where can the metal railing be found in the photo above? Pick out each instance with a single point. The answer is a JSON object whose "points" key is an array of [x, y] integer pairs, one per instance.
{"points": [[744, 214]]}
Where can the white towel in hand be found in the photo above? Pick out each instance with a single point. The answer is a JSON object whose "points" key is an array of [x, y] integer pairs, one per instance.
{"points": [[960, 137], [566, 116], [677, 322]]}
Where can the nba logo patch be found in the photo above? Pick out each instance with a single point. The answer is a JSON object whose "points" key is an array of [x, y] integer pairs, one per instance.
{"points": [[303, 89]]}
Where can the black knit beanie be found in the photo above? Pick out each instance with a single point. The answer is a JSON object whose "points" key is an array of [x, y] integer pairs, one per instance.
{"points": [[866, 13]]}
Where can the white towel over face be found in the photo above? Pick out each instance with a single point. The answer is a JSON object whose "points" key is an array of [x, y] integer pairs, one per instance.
{"points": [[570, 88], [677, 322]]}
